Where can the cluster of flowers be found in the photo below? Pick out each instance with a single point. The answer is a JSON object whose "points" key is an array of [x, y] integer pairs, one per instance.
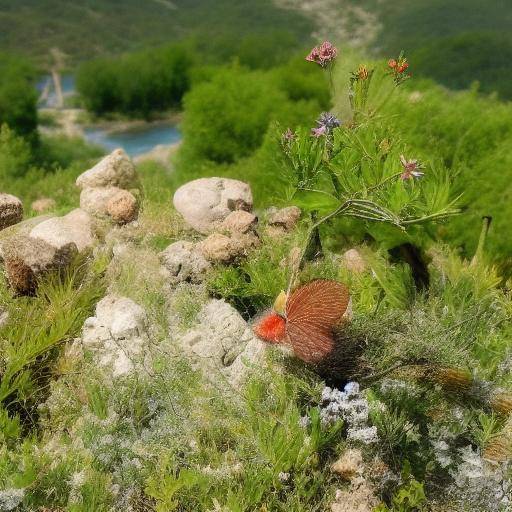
{"points": [[323, 54], [398, 69], [351, 407]]}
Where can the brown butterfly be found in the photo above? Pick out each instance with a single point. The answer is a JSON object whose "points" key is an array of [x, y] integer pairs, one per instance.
{"points": [[311, 314]]}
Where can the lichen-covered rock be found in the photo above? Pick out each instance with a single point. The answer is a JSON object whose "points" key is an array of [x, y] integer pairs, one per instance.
{"points": [[94, 200], [184, 262], [75, 228], [44, 204], [123, 207], [26, 259], [285, 218], [206, 202], [117, 335], [11, 210], [239, 221], [115, 170], [223, 343]]}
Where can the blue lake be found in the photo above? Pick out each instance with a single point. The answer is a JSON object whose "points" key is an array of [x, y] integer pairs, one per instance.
{"points": [[134, 141]]}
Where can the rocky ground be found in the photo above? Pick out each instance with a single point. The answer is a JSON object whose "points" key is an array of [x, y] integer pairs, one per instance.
{"points": [[158, 309]]}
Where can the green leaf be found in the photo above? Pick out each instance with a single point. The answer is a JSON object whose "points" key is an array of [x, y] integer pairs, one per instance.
{"points": [[315, 200]]}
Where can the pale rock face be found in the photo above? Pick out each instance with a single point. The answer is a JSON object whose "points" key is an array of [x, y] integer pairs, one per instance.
{"points": [[223, 343], [117, 335], [206, 202], [115, 170], [11, 210], [184, 262], [75, 228], [45, 204], [94, 200], [123, 207], [27, 258]]}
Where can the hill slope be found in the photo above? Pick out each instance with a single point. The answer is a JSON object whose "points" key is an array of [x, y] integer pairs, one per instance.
{"points": [[95, 27]]}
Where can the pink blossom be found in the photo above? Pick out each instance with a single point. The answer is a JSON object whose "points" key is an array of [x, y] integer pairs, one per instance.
{"points": [[318, 132], [323, 54], [411, 168]]}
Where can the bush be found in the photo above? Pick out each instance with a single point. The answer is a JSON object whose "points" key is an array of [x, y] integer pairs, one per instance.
{"points": [[18, 97], [227, 117], [15, 155], [137, 84]]}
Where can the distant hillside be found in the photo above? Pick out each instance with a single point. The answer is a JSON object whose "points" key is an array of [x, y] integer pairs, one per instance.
{"points": [[87, 28], [453, 41]]}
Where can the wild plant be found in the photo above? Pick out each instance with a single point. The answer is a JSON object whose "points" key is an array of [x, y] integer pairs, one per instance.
{"points": [[357, 167]]}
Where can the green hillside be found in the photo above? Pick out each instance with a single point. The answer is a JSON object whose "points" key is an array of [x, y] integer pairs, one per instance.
{"points": [[95, 27]]}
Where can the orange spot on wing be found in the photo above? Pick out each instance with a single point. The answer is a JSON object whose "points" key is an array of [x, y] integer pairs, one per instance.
{"points": [[271, 328]]}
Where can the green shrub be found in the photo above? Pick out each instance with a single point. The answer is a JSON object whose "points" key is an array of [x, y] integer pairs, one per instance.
{"points": [[227, 117], [15, 155], [18, 97], [136, 84]]}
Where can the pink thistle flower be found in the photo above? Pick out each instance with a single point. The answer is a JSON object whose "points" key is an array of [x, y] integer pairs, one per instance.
{"points": [[411, 169], [319, 132], [323, 54]]}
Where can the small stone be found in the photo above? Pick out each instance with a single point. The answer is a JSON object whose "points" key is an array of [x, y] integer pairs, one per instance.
{"points": [[75, 228], [354, 262], [349, 464], [26, 259], [4, 317], [123, 207], [115, 170], [184, 262], [95, 200], [285, 218], [239, 221], [219, 248], [206, 202], [43, 205], [11, 210]]}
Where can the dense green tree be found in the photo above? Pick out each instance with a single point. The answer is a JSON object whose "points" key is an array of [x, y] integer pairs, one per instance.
{"points": [[18, 97]]}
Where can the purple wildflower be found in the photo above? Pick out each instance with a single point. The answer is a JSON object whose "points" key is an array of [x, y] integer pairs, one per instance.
{"points": [[329, 120], [325, 124], [323, 54], [411, 169]]}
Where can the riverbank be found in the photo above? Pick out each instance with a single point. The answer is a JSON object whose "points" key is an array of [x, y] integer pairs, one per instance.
{"points": [[139, 138]]}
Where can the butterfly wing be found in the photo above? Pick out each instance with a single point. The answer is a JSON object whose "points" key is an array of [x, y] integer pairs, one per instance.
{"points": [[312, 312]]}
